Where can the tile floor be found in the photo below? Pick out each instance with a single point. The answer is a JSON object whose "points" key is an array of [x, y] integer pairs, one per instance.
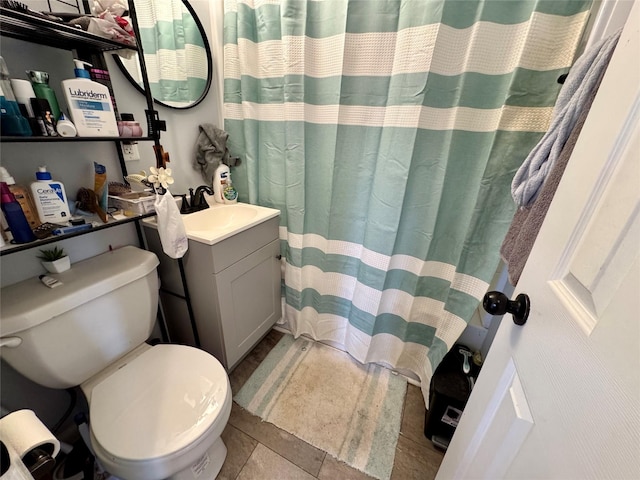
{"points": [[261, 451]]}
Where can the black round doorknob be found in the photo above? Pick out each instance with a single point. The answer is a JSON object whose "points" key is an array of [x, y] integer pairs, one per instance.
{"points": [[497, 303]]}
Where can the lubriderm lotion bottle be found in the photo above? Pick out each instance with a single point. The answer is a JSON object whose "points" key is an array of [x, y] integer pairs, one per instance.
{"points": [[89, 104], [50, 198]]}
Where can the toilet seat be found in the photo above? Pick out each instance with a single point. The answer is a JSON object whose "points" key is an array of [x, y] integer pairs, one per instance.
{"points": [[156, 407]]}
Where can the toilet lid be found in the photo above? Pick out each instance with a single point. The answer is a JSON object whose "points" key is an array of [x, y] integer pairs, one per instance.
{"points": [[158, 403]]}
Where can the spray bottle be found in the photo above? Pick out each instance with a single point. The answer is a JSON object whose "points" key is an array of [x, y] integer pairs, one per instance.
{"points": [[40, 83]]}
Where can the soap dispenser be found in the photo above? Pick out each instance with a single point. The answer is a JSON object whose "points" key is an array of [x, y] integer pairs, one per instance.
{"points": [[220, 178], [229, 192]]}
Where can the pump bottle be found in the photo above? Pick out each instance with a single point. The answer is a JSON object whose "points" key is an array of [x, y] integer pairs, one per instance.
{"points": [[219, 181], [89, 104], [50, 198]]}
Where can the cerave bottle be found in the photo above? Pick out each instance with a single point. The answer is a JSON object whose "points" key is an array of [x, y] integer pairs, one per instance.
{"points": [[50, 198]]}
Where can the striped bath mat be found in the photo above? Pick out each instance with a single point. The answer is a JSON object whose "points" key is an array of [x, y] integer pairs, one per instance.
{"points": [[326, 398]]}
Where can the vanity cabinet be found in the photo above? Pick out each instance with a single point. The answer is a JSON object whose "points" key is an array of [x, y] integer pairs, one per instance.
{"points": [[234, 286]]}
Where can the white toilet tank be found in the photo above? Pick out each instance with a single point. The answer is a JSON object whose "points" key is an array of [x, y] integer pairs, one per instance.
{"points": [[63, 336]]}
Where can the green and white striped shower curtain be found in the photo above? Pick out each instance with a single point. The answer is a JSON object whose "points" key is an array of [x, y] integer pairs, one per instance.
{"points": [[387, 132], [174, 52]]}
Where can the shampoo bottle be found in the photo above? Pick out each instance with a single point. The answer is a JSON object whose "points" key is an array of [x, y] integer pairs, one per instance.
{"points": [[22, 196], [18, 224], [50, 198], [89, 104]]}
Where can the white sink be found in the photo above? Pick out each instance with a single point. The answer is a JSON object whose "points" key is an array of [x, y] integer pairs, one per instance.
{"points": [[219, 221], [219, 218]]}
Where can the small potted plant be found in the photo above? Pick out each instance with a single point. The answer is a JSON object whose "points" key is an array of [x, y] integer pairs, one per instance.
{"points": [[55, 260]]}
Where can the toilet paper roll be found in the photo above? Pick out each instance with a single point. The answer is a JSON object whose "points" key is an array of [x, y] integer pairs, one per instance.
{"points": [[16, 469], [24, 432], [23, 91]]}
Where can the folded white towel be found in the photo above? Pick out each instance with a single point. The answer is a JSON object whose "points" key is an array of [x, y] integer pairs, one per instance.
{"points": [[582, 79]]}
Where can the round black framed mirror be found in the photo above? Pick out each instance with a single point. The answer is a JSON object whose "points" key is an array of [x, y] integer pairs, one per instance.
{"points": [[176, 52]]}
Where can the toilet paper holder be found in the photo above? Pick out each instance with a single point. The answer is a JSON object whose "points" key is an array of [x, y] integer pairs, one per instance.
{"points": [[25, 435], [39, 461]]}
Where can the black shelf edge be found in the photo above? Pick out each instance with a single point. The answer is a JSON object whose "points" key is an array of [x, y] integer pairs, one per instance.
{"points": [[23, 26], [20, 247], [73, 139]]}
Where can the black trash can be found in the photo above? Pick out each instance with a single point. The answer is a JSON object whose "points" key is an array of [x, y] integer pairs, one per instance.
{"points": [[448, 395]]}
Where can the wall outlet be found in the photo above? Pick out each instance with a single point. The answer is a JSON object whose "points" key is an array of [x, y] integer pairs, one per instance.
{"points": [[130, 152]]}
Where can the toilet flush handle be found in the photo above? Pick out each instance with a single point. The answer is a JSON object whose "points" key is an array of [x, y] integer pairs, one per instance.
{"points": [[10, 342]]}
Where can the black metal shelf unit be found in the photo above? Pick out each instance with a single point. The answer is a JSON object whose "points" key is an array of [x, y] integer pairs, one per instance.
{"points": [[35, 29], [56, 238], [73, 139]]}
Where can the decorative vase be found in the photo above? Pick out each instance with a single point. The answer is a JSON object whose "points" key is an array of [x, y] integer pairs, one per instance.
{"points": [[58, 266]]}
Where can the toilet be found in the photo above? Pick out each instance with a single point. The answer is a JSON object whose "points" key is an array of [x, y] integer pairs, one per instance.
{"points": [[155, 412]]}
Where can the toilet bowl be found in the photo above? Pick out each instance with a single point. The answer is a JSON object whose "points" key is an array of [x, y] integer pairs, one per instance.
{"points": [[155, 412], [167, 423]]}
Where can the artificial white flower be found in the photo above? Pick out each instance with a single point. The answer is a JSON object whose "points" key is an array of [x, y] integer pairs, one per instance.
{"points": [[160, 177]]}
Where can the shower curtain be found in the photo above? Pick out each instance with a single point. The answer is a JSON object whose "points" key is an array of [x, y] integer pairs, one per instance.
{"points": [[387, 133], [174, 52]]}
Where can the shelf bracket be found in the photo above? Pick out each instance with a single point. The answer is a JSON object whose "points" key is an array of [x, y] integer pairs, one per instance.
{"points": [[155, 124]]}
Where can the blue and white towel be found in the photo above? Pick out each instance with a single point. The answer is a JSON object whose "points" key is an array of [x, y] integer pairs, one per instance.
{"points": [[582, 79]]}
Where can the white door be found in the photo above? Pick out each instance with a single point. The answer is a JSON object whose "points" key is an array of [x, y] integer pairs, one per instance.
{"points": [[559, 397]]}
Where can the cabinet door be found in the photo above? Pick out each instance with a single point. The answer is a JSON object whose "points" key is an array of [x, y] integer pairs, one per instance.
{"points": [[249, 297]]}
